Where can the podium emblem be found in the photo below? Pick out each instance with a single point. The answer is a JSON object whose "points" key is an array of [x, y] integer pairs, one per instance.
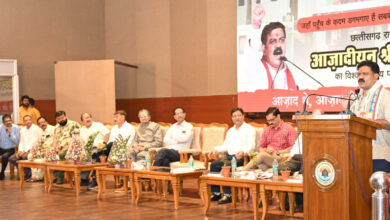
{"points": [[324, 173]]}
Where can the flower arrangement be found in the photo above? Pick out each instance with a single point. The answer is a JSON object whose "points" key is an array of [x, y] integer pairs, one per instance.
{"points": [[76, 151], [51, 153], [38, 151], [118, 153], [89, 145]]}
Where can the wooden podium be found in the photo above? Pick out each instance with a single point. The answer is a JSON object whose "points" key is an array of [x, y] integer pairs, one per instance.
{"points": [[331, 185]]}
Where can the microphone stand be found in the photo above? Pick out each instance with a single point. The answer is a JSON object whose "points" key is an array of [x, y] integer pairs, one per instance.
{"points": [[277, 71], [285, 59], [348, 111]]}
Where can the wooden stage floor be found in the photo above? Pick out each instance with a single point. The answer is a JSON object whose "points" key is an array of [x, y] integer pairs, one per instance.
{"points": [[62, 203]]}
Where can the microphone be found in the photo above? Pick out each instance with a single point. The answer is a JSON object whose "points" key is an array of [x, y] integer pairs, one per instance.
{"points": [[349, 112], [307, 74]]}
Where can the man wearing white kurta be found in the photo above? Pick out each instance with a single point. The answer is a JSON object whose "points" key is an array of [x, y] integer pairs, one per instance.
{"points": [[240, 140], [178, 137], [29, 135], [91, 127], [373, 102]]}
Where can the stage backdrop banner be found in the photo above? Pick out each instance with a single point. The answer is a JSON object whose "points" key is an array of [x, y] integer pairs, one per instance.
{"points": [[326, 39]]}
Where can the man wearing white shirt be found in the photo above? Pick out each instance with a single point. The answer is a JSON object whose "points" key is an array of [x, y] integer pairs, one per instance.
{"points": [[47, 129], [91, 127], [178, 137], [240, 140], [121, 127], [29, 135]]}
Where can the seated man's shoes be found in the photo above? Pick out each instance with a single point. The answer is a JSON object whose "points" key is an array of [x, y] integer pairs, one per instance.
{"points": [[225, 199], [2, 176], [215, 197], [92, 185]]}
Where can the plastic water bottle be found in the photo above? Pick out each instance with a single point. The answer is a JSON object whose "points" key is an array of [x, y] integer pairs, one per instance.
{"points": [[275, 165], [191, 162], [147, 159], [234, 166]]}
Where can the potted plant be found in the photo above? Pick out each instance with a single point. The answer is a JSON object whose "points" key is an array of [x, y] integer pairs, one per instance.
{"points": [[226, 170], [285, 171]]}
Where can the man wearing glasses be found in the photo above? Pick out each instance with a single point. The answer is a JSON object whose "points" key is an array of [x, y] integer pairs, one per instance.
{"points": [[178, 137], [276, 141], [148, 135]]}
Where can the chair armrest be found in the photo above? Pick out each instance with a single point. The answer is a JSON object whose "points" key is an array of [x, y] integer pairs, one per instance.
{"points": [[190, 151], [155, 149]]}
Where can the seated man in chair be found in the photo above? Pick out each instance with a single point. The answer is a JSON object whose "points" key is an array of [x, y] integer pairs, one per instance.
{"points": [[63, 133], [276, 141], [148, 135], [240, 140], [121, 128], [9, 137], [29, 136], [178, 137]]}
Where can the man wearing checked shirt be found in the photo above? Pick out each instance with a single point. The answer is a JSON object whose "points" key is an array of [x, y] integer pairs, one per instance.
{"points": [[276, 141]]}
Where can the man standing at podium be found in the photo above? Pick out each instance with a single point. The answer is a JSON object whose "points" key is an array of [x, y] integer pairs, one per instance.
{"points": [[373, 103]]}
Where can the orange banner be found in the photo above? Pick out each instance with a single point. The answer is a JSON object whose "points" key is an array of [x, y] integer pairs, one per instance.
{"points": [[344, 20]]}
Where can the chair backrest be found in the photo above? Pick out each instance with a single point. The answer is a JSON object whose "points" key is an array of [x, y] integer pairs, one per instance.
{"points": [[213, 134], [164, 128], [293, 125], [259, 131], [109, 126], [196, 139], [135, 125]]}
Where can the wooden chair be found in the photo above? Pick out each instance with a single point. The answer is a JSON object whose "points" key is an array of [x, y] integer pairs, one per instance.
{"points": [[11, 165], [195, 150]]}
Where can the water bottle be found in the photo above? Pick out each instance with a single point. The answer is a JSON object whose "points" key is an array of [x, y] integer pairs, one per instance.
{"points": [[147, 159], [275, 165], [234, 166], [191, 162]]}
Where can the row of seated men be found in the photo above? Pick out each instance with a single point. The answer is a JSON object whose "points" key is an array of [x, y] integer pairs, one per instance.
{"points": [[276, 141]]}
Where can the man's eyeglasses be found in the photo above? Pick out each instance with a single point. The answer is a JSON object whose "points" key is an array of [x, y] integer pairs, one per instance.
{"points": [[271, 120]]}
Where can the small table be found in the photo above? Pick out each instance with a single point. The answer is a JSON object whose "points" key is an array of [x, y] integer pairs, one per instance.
{"points": [[31, 164], [282, 187], [68, 166], [102, 172], [207, 181], [175, 178]]}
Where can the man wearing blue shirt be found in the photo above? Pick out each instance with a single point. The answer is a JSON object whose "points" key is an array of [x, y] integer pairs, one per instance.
{"points": [[9, 137]]}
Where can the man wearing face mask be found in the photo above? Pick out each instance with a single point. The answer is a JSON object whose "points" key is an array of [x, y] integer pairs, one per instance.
{"points": [[26, 109], [272, 72], [373, 103], [63, 132]]}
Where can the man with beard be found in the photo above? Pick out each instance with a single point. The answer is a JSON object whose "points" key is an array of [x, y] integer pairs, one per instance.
{"points": [[26, 109], [63, 132], [373, 103], [273, 72]]}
